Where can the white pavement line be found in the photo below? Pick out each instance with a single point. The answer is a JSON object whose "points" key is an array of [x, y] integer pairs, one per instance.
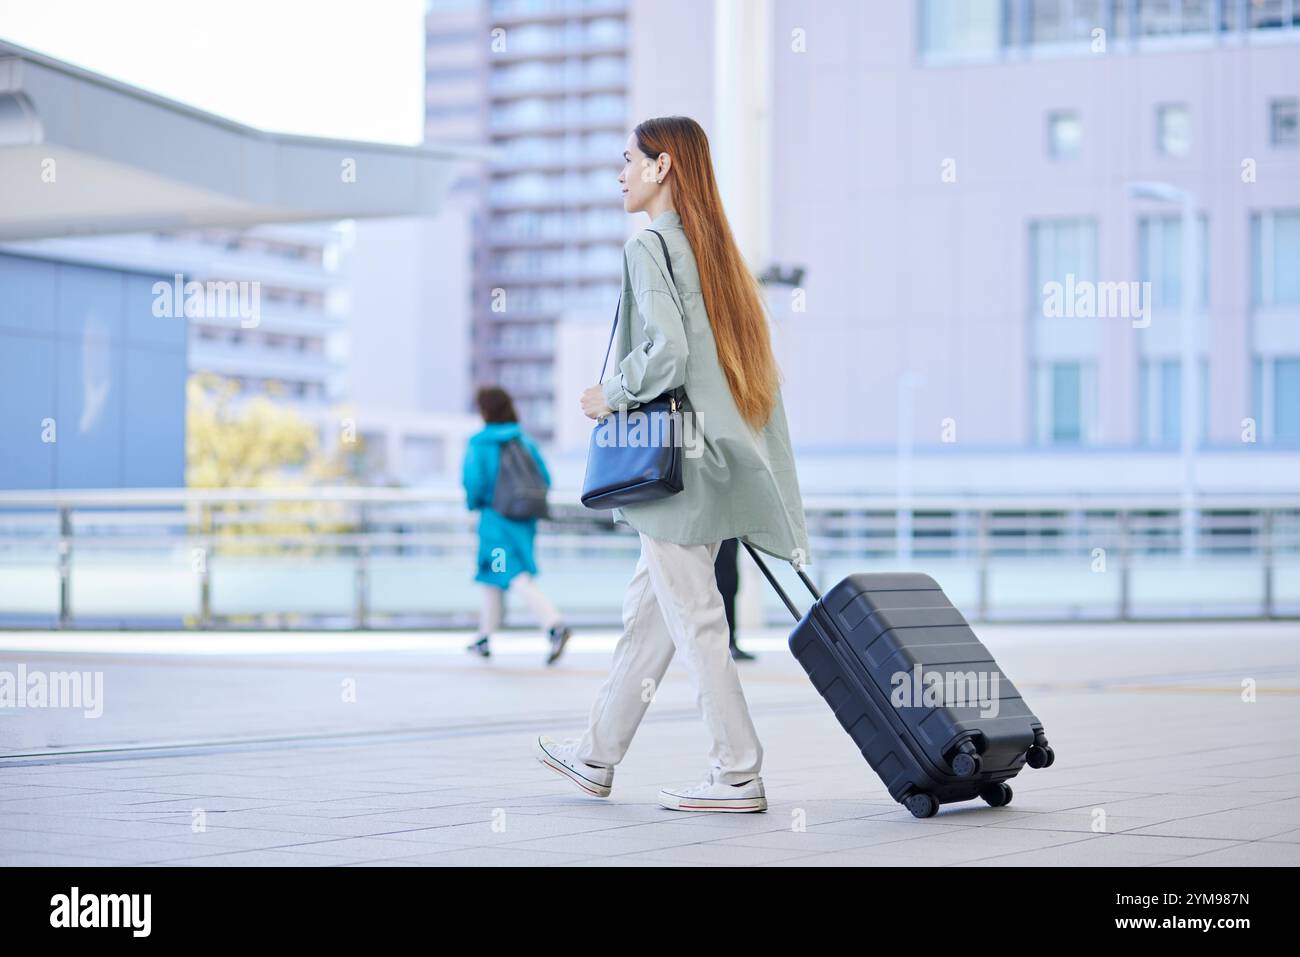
{"points": [[486, 727]]}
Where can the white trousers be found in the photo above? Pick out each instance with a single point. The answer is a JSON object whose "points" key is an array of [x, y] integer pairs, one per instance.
{"points": [[490, 612], [672, 604]]}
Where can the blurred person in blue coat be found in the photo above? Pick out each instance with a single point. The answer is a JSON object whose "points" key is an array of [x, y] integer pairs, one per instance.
{"points": [[505, 545]]}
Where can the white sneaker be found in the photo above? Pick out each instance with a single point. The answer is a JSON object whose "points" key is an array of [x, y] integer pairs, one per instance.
{"points": [[562, 756], [712, 796]]}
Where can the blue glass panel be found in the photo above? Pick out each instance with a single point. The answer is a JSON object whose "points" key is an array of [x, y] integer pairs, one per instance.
{"points": [[89, 451], [90, 302], [27, 397], [27, 294], [153, 435], [142, 326]]}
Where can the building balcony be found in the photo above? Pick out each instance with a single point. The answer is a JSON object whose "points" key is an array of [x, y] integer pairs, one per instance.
{"points": [[259, 361], [503, 239], [556, 124], [551, 276], [560, 50], [557, 162], [517, 351], [503, 89], [519, 12], [559, 201]]}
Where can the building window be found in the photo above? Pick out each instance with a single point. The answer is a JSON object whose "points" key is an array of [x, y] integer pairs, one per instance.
{"points": [[1064, 136], [1286, 400], [987, 29], [961, 27], [1272, 14], [451, 6], [1066, 403], [1160, 260], [450, 37], [423, 458], [1284, 124], [1060, 249], [443, 110], [1277, 398], [1275, 251], [369, 455], [1170, 17], [609, 31], [1173, 129], [1064, 396], [1160, 383], [1067, 399], [1064, 21]]}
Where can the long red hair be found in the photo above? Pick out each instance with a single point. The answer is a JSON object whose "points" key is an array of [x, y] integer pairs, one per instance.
{"points": [[731, 292]]}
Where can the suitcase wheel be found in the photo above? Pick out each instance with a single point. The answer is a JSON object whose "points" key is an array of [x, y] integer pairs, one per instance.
{"points": [[996, 795], [1039, 756], [921, 804], [966, 765]]}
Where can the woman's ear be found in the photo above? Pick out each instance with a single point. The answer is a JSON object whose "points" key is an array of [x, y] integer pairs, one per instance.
{"points": [[664, 164]]}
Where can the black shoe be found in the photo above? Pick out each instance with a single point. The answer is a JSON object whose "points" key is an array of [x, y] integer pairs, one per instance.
{"points": [[559, 636], [479, 647], [738, 655]]}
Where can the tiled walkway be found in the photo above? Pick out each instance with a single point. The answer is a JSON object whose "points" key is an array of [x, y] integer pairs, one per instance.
{"points": [[408, 752]]}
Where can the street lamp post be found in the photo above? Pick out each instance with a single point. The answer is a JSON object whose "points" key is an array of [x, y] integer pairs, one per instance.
{"points": [[1189, 424], [907, 385]]}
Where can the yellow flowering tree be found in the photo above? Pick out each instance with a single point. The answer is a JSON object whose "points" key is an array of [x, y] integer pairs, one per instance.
{"points": [[257, 443]]}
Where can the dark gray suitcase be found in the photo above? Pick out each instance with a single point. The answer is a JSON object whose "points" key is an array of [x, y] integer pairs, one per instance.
{"points": [[869, 645]]}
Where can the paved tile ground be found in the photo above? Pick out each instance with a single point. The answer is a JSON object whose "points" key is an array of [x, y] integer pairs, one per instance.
{"points": [[400, 750]]}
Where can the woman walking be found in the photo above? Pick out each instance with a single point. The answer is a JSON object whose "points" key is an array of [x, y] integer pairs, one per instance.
{"points": [[505, 545], [707, 331]]}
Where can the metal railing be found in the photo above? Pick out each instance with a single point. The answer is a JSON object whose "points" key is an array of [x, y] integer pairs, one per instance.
{"points": [[372, 557]]}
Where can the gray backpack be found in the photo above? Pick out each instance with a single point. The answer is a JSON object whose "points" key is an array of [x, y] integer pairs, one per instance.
{"points": [[520, 490]]}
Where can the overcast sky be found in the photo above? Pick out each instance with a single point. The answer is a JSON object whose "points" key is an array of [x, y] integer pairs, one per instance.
{"points": [[342, 68]]}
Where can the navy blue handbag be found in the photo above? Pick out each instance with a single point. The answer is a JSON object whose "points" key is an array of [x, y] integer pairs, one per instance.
{"points": [[636, 454]]}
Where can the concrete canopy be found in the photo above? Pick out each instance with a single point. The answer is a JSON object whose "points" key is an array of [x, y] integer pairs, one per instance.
{"points": [[83, 154]]}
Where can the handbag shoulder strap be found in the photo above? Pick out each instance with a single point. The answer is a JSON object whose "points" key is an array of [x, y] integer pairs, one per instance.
{"points": [[668, 261]]}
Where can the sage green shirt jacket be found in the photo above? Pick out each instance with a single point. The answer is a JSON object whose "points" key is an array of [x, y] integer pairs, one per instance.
{"points": [[738, 482]]}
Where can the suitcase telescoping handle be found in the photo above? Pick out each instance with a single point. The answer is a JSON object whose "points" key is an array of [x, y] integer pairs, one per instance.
{"points": [[767, 572]]}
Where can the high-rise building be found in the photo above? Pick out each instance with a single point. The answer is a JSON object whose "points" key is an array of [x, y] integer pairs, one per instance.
{"points": [[545, 83]]}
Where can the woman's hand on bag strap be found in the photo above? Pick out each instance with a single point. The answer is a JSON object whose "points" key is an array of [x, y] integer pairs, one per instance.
{"points": [[593, 402]]}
